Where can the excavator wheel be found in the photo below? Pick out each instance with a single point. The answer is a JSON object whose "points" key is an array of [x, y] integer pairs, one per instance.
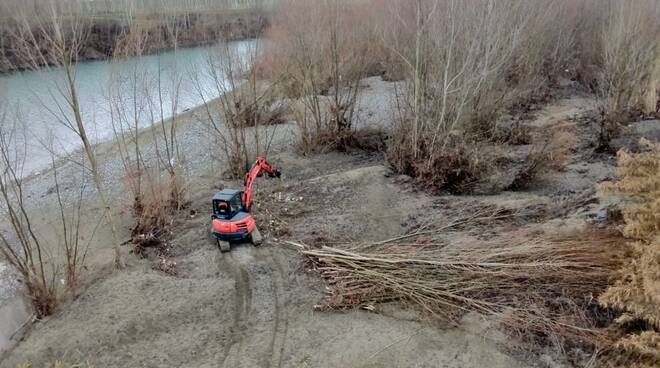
{"points": [[256, 237], [224, 246]]}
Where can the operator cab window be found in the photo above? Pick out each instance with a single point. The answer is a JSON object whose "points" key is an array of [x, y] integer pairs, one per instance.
{"points": [[236, 203]]}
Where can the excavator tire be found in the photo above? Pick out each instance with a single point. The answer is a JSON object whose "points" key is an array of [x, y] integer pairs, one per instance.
{"points": [[224, 246], [256, 237]]}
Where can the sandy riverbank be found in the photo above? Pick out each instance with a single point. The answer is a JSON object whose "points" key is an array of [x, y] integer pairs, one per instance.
{"points": [[203, 164], [255, 306]]}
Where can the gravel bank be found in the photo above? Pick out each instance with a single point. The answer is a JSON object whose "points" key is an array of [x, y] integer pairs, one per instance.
{"points": [[198, 143]]}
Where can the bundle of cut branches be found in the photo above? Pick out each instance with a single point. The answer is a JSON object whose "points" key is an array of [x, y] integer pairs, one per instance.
{"points": [[533, 283]]}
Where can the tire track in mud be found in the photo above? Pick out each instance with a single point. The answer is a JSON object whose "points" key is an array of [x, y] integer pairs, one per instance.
{"points": [[281, 321], [242, 306], [257, 336], [260, 335]]}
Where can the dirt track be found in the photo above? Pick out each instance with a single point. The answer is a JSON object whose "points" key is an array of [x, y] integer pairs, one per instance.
{"points": [[260, 330]]}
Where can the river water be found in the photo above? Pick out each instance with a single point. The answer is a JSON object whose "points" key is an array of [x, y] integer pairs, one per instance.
{"points": [[118, 92], [35, 100]]}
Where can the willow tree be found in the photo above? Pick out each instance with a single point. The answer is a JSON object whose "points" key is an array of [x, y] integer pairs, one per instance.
{"points": [[51, 37]]}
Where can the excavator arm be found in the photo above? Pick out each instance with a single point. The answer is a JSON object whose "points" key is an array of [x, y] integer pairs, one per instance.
{"points": [[260, 165]]}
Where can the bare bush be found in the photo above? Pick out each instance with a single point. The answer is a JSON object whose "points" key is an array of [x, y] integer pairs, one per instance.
{"points": [[154, 170], [159, 201], [320, 48], [620, 59], [72, 240], [26, 253], [463, 65], [40, 259], [244, 118]]}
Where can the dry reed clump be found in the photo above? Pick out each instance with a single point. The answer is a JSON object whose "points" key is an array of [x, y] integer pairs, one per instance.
{"points": [[637, 291], [456, 169], [154, 206], [530, 283]]}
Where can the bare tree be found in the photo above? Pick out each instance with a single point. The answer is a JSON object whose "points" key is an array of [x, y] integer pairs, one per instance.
{"points": [[30, 252], [242, 118], [71, 213], [461, 65], [54, 39], [141, 97], [324, 59], [24, 251]]}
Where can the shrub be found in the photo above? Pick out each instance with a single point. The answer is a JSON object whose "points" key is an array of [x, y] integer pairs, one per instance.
{"points": [[619, 59], [464, 66], [456, 168], [637, 292], [154, 206], [320, 48]]}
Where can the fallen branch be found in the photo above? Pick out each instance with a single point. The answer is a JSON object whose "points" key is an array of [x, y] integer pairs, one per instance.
{"points": [[516, 281]]}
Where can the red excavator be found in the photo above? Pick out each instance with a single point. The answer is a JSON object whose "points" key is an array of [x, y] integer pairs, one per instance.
{"points": [[231, 219]]}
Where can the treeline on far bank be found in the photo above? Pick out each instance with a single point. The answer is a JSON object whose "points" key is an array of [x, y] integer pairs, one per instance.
{"points": [[117, 34]]}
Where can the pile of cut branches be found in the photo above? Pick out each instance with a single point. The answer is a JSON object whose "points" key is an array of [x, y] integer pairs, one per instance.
{"points": [[530, 283]]}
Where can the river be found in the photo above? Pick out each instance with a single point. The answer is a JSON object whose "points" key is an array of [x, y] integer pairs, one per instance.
{"points": [[34, 98]]}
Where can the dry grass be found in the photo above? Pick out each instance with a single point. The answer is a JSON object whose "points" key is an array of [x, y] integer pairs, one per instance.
{"points": [[637, 291], [639, 181], [552, 154]]}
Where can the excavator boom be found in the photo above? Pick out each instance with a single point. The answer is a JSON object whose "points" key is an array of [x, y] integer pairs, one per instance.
{"points": [[260, 165]]}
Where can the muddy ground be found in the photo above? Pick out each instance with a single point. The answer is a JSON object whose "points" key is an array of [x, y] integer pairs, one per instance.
{"points": [[255, 306]]}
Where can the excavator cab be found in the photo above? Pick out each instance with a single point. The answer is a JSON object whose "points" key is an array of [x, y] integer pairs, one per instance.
{"points": [[231, 219], [227, 203]]}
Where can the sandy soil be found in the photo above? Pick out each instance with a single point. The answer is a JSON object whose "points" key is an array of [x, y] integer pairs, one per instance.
{"points": [[254, 307]]}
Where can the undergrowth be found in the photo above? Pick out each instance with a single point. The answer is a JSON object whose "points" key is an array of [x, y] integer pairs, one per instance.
{"points": [[637, 291]]}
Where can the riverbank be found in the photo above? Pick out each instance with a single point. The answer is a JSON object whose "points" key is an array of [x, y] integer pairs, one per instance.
{"points": [[29, 98], [109, 36], [203, 164], [261, 306]]}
